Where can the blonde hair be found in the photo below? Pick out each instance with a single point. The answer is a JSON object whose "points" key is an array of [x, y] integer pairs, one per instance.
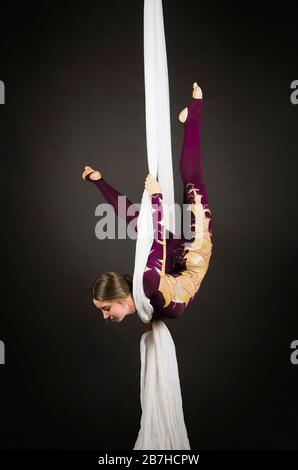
{"points": [[112, 286]]}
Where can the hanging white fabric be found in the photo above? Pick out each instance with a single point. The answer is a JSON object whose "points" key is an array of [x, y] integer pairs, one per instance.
{"points": [[162, 420]]}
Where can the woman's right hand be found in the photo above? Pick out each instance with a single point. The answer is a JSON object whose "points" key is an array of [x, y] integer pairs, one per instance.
{"points": [[94, 174]]}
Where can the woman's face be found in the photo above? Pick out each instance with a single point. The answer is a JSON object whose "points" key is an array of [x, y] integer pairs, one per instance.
{"points": [[114, 310]]}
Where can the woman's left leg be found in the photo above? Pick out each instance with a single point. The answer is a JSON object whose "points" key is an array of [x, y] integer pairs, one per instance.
{"points": [[198, 233], [190, 165]]}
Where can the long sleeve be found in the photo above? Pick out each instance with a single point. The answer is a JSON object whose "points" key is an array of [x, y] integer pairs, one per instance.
{"points": [[155, 267], [111, 196]]}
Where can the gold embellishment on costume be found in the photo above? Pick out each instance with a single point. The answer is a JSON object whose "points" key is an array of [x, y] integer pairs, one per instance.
{"points": [[180, 289], [161, 262]]}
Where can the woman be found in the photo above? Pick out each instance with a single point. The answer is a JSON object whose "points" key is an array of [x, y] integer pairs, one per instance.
{"points": [[175, 267]]}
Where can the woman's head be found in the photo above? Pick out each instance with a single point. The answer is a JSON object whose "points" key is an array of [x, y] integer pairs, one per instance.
{"points": [[112, 295]]}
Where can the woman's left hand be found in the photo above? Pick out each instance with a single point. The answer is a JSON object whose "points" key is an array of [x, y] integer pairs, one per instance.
{"points": [[151, 185]]}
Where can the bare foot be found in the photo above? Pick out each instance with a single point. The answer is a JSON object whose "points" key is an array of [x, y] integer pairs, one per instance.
{"points": [[196, 93], [183, 115], [94, 175]]}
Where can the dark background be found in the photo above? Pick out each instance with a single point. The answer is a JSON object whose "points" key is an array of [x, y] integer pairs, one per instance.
{"points": [[74, 79]]}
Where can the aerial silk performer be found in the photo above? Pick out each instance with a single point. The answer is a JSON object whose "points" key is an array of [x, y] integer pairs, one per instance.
{"points": [[169, 269]]}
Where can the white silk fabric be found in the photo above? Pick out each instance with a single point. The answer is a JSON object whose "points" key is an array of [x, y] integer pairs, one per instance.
{"points": [[162, 422]]}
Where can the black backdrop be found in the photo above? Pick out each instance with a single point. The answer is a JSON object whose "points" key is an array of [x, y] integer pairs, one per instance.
{"points": [[74, 83]]}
